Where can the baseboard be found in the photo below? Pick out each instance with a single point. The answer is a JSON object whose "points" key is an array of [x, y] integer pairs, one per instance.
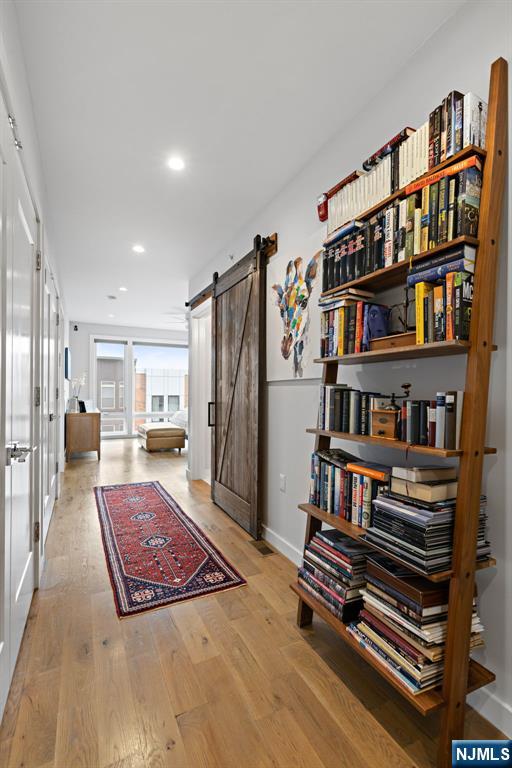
{"points": [[283, 546], [498, 712]]}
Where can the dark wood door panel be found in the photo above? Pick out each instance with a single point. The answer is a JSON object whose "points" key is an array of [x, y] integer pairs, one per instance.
{"points": [[238, 360]]}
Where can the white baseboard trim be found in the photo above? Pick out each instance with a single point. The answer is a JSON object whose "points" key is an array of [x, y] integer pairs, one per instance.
{"points": [[283, 546], [498, 712]]}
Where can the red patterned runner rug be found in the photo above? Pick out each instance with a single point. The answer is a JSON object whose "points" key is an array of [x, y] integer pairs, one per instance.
{"points": [[156, 555]]}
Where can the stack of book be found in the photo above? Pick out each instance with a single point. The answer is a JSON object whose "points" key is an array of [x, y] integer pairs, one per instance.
{"points": [[443, 289], [420, 533], [349, 321], [434, 423], [434, 211], [333, 571], [458, 122], [403, 624], [342, 409], [345, 486]]}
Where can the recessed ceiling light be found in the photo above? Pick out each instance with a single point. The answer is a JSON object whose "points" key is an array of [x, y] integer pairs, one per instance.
{"points": [[122, 288], [111, 315], [176, 163], [138, 248]]}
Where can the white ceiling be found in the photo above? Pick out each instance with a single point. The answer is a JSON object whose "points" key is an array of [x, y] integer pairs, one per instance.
{"points": [[246, 92]]}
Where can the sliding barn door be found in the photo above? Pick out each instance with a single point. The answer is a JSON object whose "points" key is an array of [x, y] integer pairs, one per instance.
{"points": [[238, 374]]}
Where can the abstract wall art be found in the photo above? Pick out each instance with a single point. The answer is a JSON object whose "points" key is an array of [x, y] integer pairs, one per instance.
{"points": [[292, 315]]}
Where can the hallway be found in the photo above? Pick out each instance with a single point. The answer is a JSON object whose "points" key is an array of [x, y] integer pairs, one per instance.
{"points": [[226, 680]]}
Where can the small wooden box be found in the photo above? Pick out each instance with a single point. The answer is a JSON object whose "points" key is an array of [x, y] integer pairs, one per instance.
{"points": [[393, 342], [384, 424]]}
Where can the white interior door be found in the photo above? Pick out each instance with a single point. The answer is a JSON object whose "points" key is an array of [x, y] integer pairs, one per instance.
{"points": [[19, 284]]}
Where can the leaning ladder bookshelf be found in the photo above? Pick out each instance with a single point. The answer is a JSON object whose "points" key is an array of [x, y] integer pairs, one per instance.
{"points": [[461, 675]]}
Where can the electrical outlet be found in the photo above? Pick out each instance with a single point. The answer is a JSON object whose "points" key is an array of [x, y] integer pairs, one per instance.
{"points": [[282, 483]]}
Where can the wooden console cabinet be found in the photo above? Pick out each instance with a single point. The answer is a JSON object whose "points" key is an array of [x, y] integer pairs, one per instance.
{"points": [[83, 433]]}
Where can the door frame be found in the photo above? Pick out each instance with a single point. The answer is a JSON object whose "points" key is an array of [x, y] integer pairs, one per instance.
{"points": [[199, 394]]}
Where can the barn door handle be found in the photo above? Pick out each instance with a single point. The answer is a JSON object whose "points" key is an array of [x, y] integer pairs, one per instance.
{"points": [[211, 423]]}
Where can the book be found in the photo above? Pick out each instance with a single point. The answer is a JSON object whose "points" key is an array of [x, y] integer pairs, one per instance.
{"points": [[425, 218], [422, 289], [454, 99], [433, 473], [402, 229], [468, 201], [389, 236], [412, 203], [438, 294], [434, 491], [442, 226], [463, 301], [437, 273], [466, 252], [449, 297], [449, 424], [451, 170], [433, 219], [452, 208], [440, 419], [474, 121]]}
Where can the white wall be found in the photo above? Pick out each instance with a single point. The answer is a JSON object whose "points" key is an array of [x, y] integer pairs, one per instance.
{"points": [[79, 343], [458, 56]]}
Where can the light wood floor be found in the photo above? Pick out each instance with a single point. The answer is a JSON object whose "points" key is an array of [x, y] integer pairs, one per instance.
{"points": [[220, 681]]}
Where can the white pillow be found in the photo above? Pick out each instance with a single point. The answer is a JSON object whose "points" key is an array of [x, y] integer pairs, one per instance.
{"points": [[180, 418]]}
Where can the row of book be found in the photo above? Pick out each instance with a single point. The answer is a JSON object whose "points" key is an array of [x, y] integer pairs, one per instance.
{"points": [[458, 122], [349, 322], [435, 423], [419, 533], [333, 571], [437, 209], [443, 310], [344, 486], [403, 624]]}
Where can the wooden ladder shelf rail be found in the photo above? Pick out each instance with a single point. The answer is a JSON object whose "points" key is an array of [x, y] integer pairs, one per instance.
{"points": [[456, 682]]}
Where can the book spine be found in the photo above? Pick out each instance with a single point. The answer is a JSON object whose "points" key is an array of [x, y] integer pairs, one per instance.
{"points": [[449, 424], [431, 426], [452, 209], [440, 419], [423, 423], [438, 313], [436, 273], [389, 230], [425, 218], [449, 306], [359, 327], [442, 233], [433, 215]]}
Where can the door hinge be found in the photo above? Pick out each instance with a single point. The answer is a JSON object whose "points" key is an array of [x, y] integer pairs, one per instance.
{"points": [[56, 467], [56, 393], [37, 529], [39, 261], [58, 319], [37, 396]]}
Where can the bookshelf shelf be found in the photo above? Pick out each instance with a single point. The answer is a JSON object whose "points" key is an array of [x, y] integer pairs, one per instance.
{"points": [[396, 274], [426, 702], [397, 445], [411, 352], [461, 674], [357, 533], [466, 152]]}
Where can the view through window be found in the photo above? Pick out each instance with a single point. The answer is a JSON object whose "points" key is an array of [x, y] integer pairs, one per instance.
{"points": [[161, 382]]}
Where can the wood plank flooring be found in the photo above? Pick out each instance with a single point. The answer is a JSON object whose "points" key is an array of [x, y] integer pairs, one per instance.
{"points": [[225, 681]]}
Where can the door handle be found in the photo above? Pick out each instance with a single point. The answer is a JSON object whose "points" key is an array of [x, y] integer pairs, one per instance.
{"points": [[211, 423], [51, 417], [20, 452]]}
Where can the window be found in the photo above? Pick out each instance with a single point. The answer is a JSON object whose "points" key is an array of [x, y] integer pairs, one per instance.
{"points": [[157, 403], [173, 403], [121, 395], [107, 395]]}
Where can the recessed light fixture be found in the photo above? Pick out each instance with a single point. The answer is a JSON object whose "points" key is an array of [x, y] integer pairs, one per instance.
{"points": [[123, 289], [176, 163], [138, 248], [111, 315]]}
